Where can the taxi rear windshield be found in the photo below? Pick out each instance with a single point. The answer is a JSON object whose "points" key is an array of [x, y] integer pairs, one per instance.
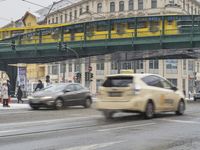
{"points": [[121, 81]]}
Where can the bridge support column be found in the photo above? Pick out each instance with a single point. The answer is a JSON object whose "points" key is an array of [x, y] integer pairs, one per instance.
{"points": [[12, 74]]}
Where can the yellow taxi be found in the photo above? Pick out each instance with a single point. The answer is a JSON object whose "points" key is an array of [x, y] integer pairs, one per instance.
{"points": [[141, 93]]}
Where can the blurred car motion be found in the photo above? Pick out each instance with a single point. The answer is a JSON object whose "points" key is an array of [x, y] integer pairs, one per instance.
{"points": [[196, 96], [59, 95], [140, 93]]}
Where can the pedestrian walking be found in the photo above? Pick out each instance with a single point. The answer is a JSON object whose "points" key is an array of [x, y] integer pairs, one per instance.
{"points": [[19, 95], [4, 95], [39, 86]]}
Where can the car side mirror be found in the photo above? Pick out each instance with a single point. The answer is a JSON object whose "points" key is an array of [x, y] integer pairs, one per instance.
{"points": [[174, 88]]}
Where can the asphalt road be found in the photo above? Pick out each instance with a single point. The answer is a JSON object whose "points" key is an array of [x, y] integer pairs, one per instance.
{"points": [[86, 129]]}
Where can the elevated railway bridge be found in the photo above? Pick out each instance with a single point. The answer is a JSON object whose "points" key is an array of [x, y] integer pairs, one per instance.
{"points": [[153, 37]]}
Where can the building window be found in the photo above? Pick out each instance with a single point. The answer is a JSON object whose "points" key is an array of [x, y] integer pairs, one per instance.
{"points": [[49, 69], [70, 67], [188, 8], [99, 7], [171, 2], [139, 64], [61, 19], [77, 68], [87, 8], [191, 65], [49, 21], [171, 64], [191, 9], [75, 14], [173, 81], [112, 7], [121, 6], [126, 65], [184, 4], [153, 64], [56, 19], [65, 17], [53, 20], [153, 3], [140, 4], [80, 11], [62, 68], [70, 16], [100, 68], [55, 69], [131, 5], [184, 64]]}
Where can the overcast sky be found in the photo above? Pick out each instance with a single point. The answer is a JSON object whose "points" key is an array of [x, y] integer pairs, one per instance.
{"points": [[15, 9]]}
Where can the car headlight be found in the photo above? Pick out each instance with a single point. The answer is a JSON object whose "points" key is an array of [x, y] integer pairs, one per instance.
{"points": [[47, 97]]}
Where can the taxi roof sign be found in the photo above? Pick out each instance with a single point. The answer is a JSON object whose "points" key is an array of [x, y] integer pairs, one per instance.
{"points": [[126, 71]]}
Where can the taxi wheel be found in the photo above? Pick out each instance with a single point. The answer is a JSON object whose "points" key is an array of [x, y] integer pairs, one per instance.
{"points": [[59, 104], [108, 114], [181, 108], [149, 112]]}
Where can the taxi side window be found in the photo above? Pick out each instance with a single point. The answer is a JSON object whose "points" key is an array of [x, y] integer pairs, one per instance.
{"points": [[153, 81], [166, 84]]}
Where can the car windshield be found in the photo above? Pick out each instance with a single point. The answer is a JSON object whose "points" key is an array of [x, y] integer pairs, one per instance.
{"points": [[54, 88], [120, 81]]}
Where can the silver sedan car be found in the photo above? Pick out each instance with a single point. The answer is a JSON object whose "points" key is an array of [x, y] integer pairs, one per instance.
{"points": [[59, 95]]}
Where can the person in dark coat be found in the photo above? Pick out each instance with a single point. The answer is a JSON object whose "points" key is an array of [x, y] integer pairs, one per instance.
{"points": [[39, 85], [19, 95]]}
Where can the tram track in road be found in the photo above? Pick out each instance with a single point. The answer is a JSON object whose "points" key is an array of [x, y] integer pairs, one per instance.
{"points": [[96, 123]]}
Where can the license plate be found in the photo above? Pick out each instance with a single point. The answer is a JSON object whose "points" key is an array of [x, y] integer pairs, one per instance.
{"points": [[115, 94]]}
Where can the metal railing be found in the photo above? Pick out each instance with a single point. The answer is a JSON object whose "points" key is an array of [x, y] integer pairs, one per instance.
{"points": [[98, 36]]}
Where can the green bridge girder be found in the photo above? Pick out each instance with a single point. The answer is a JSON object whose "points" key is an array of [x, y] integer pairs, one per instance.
{"points": [[49, 52]]}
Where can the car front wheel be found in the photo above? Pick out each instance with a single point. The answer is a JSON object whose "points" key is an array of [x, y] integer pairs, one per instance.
{"points": [[59, 104], [87, 103], [181, 108], [34, 107]]}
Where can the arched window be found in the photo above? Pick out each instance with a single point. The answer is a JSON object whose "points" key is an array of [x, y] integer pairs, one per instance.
{"points": [[130, 5], [99, 7], [112, 6], [121, 6]]}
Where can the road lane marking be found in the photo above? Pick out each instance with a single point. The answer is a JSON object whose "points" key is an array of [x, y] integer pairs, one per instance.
{"points": [[181, 121], [8, 131], [47, 121], [94, 146], [124, 127]]}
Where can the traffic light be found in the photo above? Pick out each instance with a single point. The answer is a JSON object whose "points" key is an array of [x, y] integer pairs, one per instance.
{"points": [[91, 75], [13, 45], [78, 77], [88, 76]]}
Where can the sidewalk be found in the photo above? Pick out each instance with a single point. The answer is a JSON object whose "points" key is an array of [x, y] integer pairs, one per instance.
{"points": [[15, 106]]}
